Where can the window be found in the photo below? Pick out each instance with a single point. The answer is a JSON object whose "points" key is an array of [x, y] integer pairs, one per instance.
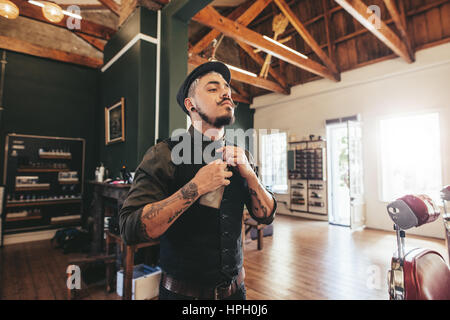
{"points": [[274, 161], [410, 156]]}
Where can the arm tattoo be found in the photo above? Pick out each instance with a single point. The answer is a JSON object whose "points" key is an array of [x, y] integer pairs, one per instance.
{"points": [[156, 208], [189, 193], [255, 196]]}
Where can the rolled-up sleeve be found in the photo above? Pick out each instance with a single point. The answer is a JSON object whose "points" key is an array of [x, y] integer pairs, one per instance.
{"points": [[150, 184], [269, 219]]}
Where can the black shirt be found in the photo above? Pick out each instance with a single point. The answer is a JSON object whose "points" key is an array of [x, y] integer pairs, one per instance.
{"points": [[204, 244]]}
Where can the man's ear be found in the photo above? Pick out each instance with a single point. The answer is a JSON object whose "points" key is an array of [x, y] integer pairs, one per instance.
{"points": [[189, 104]]}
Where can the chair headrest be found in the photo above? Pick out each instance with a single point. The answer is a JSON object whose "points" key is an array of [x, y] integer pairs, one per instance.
{"points": [[445, 193], [413, 211]]}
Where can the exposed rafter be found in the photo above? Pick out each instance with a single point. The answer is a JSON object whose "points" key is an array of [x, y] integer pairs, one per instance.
{"points": [[203, 43], [95, 42], [259, 60], [210, 17], [86, 26], [240, 98], [400, 23], [330, 42], [301, 29], [196, 60], [361, 13], [241, 14], [111, 5], [38, 51]]}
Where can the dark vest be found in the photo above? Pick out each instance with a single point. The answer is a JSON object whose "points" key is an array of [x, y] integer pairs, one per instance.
{"points": [[205, 244]]}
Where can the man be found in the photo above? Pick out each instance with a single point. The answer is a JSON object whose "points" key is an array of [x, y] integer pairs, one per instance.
{"points": [[195, 207]]}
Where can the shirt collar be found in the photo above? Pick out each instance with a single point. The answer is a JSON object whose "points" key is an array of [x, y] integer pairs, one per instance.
{"points": [[205, 139]]}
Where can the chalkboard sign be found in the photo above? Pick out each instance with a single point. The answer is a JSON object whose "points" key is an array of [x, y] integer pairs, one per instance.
{"points": [[44, 182]]}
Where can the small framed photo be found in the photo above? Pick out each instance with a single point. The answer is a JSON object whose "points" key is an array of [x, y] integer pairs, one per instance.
{"points": [[115, 122]]}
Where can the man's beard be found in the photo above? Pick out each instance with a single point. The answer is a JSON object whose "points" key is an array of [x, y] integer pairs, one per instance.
{"points": [[218, 122]]}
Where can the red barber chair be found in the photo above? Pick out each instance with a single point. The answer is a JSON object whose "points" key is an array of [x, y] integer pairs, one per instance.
{"points": [[445, 196], [419, 274]]}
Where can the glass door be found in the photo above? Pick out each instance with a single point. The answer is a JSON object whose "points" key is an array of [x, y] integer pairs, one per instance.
{"points": [[345, 184], [357, 204], [338, 168]]}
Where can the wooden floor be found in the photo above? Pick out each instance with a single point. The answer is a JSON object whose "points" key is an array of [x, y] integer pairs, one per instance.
{"points": [[304, 259]]}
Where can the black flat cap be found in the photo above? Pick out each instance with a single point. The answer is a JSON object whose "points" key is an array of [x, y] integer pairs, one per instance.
{"points": [[201, 70]]}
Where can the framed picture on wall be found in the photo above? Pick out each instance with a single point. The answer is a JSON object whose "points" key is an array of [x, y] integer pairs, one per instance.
{"points": [[115, 122]]}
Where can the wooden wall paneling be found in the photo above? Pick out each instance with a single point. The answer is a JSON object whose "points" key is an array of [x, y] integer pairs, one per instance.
{"points": [[245, 65], [362, 47], [420, 30], [338, 20], [407, 4], [301, 10], [434, 27], [342, 57], [416, 3], [445, 19], [313, 36], [352, 53]]}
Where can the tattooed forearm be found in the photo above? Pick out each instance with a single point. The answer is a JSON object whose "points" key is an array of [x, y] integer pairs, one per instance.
{"points": [[260, 204], [157, 217], [156, 208], [190, 191]]}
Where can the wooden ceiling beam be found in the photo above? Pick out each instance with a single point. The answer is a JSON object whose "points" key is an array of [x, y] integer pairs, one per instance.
{"points": [[330, 42], [238, 89], [210, 17], [304, 33], [359, 11], [38, 51], [196, 60], [87, 27], [400, 23], [257, 58], [95, 42], [111, 5], [213, 34], [242, 14], [239, 98]]}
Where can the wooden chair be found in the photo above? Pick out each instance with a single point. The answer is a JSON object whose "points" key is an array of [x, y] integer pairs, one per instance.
{"points": [[128, 260], [250, 224], [110, 259]]}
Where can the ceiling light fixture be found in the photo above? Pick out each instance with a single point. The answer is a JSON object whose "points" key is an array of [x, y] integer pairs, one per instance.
{"points": [[53, 11], [8, 9], [285, 47], [241, 70]]}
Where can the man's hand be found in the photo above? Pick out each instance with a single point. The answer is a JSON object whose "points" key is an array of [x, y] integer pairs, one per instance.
{"points": [[212, 176], [236, 157]]}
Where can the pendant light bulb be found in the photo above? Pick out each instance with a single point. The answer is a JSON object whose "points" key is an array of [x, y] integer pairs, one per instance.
{"points": [[52, 12], [8, 9]]}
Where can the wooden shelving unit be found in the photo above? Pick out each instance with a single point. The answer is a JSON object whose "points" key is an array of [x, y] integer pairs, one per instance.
{"points": [[23, 218], [35, 205], [307, 176], [37, 188], [55, 157], [38, 170], [41, 203]]}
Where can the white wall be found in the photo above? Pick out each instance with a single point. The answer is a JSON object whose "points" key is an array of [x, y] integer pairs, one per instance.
{"points": [[387, 88]]}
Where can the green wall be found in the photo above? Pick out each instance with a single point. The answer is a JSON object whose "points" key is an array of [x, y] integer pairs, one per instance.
{"points": [[132, 76], [50, 98]]}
